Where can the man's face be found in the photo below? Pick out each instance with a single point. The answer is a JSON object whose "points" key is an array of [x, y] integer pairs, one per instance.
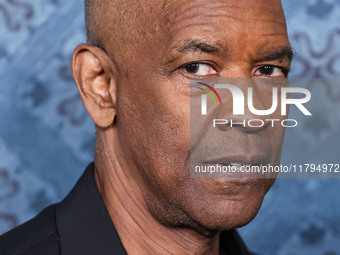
{"points": [[230, 39]]}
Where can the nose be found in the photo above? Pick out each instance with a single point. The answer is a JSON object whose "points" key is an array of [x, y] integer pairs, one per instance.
{"points": [[238, 110]]}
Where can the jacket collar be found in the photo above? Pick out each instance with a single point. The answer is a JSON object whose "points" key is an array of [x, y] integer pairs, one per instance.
{"points": [[85, 227], [83, 222]]}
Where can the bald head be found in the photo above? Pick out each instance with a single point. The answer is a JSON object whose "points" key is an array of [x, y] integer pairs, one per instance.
{"points": [[119, 26]]}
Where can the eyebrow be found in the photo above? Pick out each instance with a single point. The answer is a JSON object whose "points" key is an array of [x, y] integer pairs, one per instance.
{"points": [[279, 54], [197, 45], [193, 45]]}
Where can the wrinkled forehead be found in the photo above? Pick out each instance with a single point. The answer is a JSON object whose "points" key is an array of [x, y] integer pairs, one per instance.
{"points": [[181, 13], [176, 16], [227, 21], [270, 10], [148, 26]]}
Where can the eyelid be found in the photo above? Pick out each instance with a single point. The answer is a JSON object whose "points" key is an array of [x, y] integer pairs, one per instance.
{"points": [[211, 64], [284, 70]]}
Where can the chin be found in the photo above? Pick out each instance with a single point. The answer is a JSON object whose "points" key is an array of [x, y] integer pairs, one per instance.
{"points": [[230, 216], [226, 211]]}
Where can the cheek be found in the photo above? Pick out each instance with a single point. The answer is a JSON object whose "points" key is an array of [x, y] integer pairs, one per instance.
{"points": [[154, 131]]}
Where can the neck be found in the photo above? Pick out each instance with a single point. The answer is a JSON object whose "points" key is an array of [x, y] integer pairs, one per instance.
{"points": [[124, 196]]}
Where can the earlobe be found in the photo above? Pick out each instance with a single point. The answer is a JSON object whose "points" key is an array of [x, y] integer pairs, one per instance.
{"points": [[94, 75]]}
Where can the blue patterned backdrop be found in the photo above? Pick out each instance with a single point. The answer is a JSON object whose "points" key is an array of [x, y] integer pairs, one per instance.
{"points": [[46, 137]]}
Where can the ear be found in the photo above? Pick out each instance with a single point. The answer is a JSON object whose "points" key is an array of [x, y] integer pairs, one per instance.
{"points": [[93, 72]]}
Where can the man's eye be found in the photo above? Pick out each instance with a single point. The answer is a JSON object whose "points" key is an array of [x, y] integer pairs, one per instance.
{"points": [[271, 71], [199, 69]]}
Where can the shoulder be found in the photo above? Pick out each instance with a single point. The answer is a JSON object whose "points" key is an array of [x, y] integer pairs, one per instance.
{"points": [[37, 236]]}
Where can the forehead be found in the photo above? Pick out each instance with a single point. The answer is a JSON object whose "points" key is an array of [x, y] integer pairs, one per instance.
{"points": [[177, 11], [232, 24], [160, 26], [244, 16]]}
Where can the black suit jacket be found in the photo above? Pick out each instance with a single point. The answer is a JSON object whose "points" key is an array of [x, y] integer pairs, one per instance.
{"points": [[80, 224]]}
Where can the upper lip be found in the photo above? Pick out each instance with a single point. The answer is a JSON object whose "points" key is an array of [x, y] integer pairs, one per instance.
{"points": [[253, 159]]}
